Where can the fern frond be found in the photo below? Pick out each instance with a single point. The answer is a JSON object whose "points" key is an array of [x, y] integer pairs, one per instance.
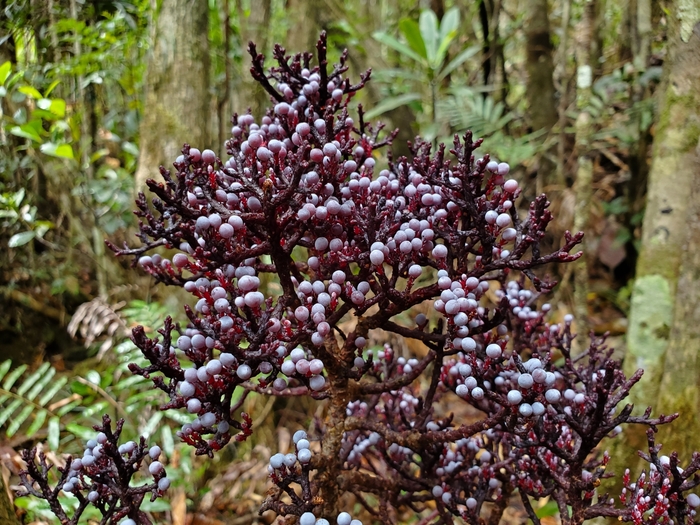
{"points": [[26, 400]]}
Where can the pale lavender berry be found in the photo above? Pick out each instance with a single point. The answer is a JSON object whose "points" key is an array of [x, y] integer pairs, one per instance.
{"points": [[227, 359], [301, 313], [514, 397], [510, 185], [492, 166], [93, 496], [509, 234], [552, 395], [195, 154], [440, 251], [525, 381], [339, 277], [317, 383], [693, 500], [225, 230], [471, 503], [254, 299], [493, 351], [186, 389], [244, 372], [154, 452], [503, 220], [214, 367], [277, 461], [194, 405], [344, 518], [184, 342], [376, 257], [155, 468], [299, 435], [316, 366], [478, 393], [525, 410], [307, 518], [208, 419], [462, 390], [279, 384], [414, 271], [304, 456], [503, 168], [163, 484], [180, 260]]}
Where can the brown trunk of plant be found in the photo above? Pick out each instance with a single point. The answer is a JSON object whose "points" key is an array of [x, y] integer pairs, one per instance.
{"points": [[176, 107]]}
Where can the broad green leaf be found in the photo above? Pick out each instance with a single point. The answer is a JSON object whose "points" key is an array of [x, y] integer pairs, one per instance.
{"points": [[390, 41], [130, 148], [411, 32], [428, 24], [4, 367], [43, 103], [457, 61], [26, 131], [30, 91], [54, 434], [58, 107], [20, 239], [63, 151], [391, 103], [5, 71], [449, 23]]}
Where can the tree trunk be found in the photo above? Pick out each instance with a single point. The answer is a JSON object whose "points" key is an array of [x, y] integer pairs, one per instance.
{"points": [[7, 510], [177, 102], [584, 173], [540, 92], [664, 323]]}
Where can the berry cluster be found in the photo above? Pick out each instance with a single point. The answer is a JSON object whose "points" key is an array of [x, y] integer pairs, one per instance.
{"points": [[102, 478], [355, 248]]}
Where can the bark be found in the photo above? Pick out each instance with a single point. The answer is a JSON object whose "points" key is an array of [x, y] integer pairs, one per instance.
{"points": [[540, 71], [663, 334], [584, 173], [7, 510], [177, 102]]}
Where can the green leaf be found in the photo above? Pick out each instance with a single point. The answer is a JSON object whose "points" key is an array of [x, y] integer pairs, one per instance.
{"points": [[54, 433], [448, 32], [391, 103], [5, 367], [14, 375], [411, 32], [52, 390], [26, 131], [166, 438], [457, 61], [449, 24], [20, 239], [390, 41], [94, 377], [58, 107], [63, 151], [5, 414], [43, 103], [5, 70], [51, 87], [32, 379], [30, 91], [428, 24], [82, 432], [17, 421], [150, 427]]}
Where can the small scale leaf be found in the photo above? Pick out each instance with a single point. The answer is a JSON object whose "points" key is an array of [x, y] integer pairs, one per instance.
{"points": [[14, 375], [20, 239], [39, 419], [82, 432], [54, 433], [4, 367], [16, 422]]}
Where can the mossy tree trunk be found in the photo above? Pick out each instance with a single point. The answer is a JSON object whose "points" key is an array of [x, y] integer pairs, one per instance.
{"points": [[664, 323], [177, 100]]}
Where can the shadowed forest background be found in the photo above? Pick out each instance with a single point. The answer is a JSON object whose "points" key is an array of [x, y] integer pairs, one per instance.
{"points": [[596, 103]]}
